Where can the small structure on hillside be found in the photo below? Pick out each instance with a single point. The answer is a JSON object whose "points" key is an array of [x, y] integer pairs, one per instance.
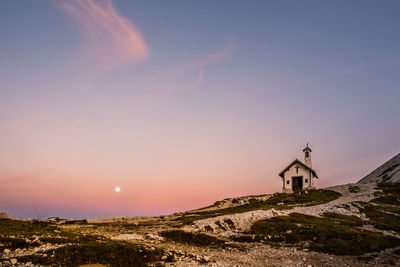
{"points": [[299, 175]]}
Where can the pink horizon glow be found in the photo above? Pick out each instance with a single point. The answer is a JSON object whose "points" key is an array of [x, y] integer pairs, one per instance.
{"points": [[184, 103]]}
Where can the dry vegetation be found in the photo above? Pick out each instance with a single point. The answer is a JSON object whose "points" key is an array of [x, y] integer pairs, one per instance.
{"points": [[371, 237]]}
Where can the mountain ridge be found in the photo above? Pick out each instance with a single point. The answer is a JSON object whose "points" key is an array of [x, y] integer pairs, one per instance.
{"points": [[387, 172]]}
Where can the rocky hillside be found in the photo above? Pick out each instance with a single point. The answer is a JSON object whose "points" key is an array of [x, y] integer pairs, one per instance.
{"points": [[387, 172], [4, 215], [346, 225]]}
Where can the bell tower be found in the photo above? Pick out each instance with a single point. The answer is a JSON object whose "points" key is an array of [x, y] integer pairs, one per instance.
{"points": [[307, 156]]}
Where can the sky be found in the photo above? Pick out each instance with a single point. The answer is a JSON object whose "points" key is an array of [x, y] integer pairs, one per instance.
{"points": [[183, 103]]}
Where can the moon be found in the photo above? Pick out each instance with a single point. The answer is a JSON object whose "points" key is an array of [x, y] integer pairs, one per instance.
{"points": [[117, 189]]}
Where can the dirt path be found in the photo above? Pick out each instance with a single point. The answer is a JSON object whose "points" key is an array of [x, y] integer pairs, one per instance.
{"points": [[243, 221]]}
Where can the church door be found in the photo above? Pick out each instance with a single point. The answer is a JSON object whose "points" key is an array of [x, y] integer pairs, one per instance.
{"points": [[297, 183]]}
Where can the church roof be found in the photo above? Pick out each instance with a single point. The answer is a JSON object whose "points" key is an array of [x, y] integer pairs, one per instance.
{"points": [[299, 162]]}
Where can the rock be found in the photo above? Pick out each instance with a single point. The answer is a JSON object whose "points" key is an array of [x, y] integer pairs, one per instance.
{"points": [[128, 237], [206, 258], [6, 251], [164, 257], [154, 237], [13, 261]]}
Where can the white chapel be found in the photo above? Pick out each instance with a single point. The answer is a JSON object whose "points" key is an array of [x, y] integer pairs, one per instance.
{"points": [[299, 175]]}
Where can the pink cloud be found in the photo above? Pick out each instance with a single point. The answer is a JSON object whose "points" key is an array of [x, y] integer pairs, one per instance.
{"points": [[199, 80], [195, 65], [23, 177], [112, 40], [201, 62]]}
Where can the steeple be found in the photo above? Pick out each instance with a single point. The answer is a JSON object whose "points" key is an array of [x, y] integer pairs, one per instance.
{"points": [[307, 156]]}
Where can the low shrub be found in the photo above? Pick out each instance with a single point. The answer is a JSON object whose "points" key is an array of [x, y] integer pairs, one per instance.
{"points": [[196, 239], [277, 201], [108, 253], [338, 236]]}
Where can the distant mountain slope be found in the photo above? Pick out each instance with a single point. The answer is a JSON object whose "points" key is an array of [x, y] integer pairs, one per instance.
{"points": [[4, 215], [387, 172]]}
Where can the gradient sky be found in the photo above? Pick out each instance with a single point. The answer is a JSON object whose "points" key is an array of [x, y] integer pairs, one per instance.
{"points": [[182, 103]]}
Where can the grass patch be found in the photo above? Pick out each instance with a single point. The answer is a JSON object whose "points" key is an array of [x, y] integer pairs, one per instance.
{"points": [[230, 223], [123, 225], [344, 219], [277, 201], [384, 211], [382, 219], [218, 223], [15, 242], [332, 234], [367, 258], [24, 228], [19, 234], [110, 253], [390, 194], [208, 228], [196, 239], [354, 189], [68, 238]]}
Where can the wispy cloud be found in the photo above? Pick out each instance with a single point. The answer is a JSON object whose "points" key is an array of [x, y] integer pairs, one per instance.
{"points": [[333, 75], [201, 62], [196, 65], [199, 80], [23, 177], [112, 40], [339, 73]]}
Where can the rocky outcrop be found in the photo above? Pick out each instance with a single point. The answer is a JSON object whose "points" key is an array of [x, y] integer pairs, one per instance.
{"points": [[4, 215], [387, 172], [346, 204]]}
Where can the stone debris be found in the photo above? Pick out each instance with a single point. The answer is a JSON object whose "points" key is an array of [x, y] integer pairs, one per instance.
{"points": [[154, 237], [145, 231], [243, 221], [128, 237]]}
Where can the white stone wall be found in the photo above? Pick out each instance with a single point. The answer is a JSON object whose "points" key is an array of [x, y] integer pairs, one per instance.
{"points": [[291, 172]]}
